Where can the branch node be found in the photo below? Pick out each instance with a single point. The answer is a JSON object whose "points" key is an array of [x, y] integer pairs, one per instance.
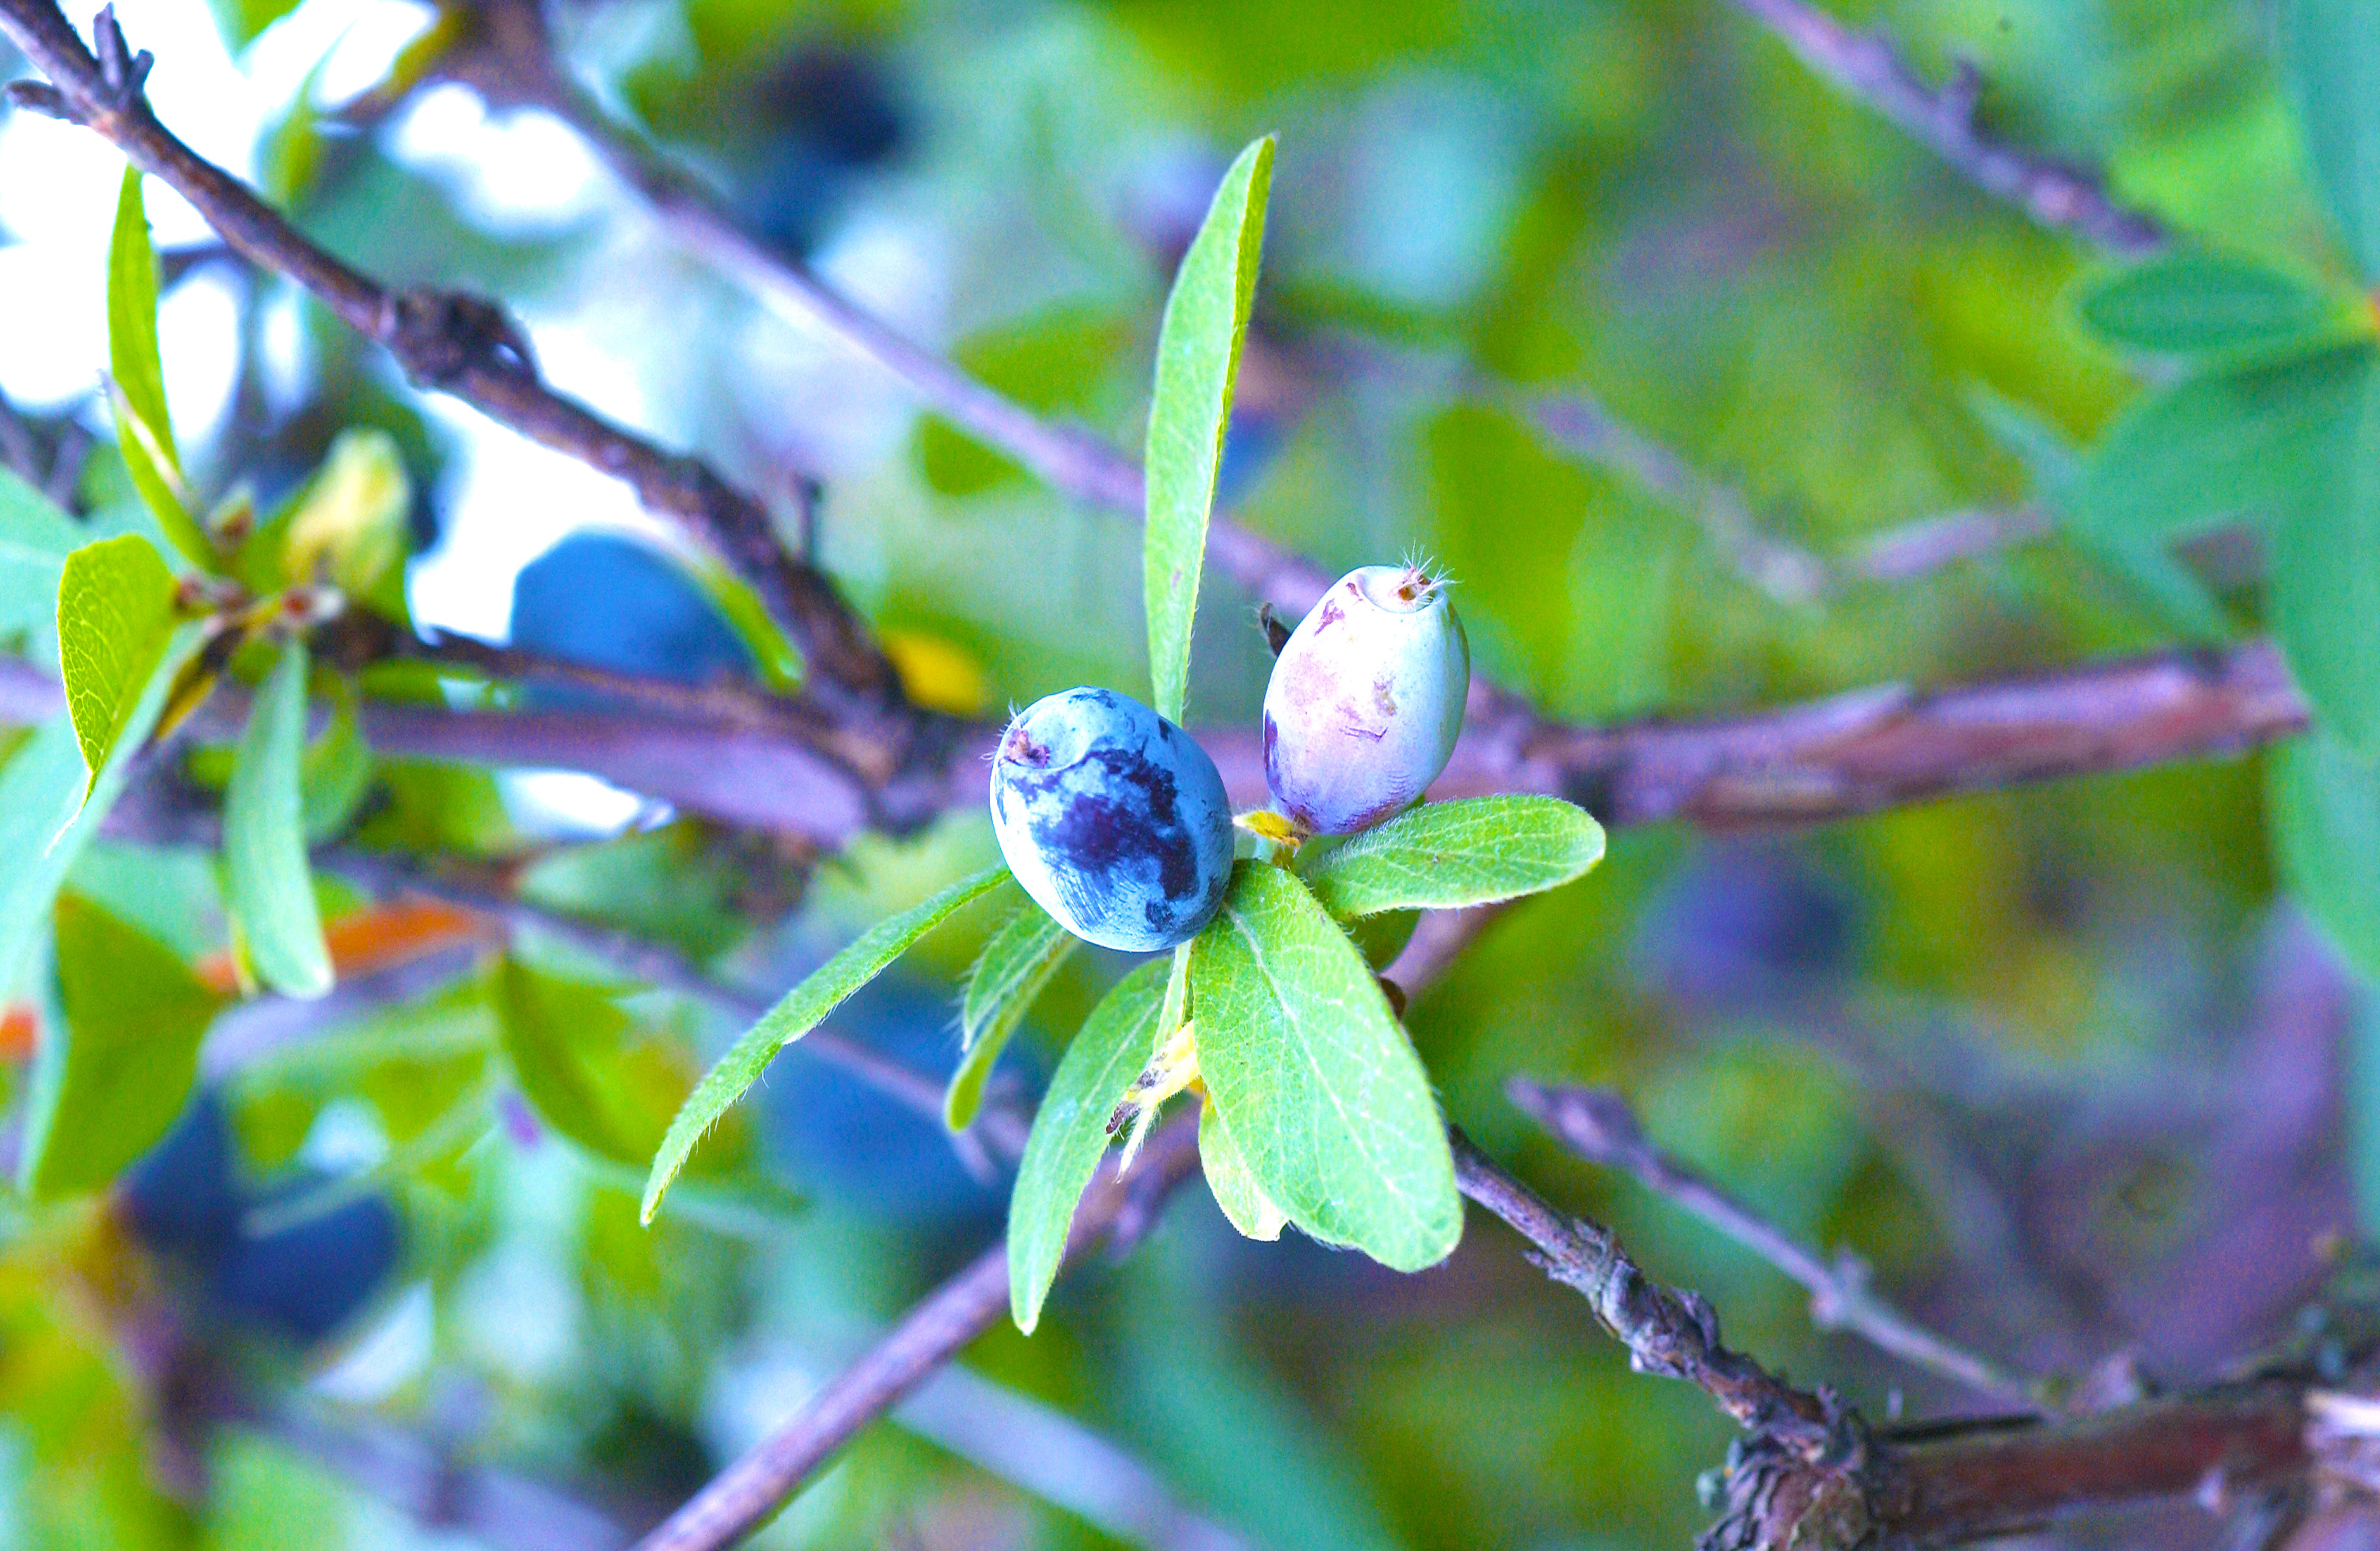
{"points": [[1959, 95], [40, 97], [125, 73], [440, 335]]}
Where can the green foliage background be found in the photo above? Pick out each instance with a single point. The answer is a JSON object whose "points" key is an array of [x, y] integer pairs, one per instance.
{"points": [[1648, 203]]}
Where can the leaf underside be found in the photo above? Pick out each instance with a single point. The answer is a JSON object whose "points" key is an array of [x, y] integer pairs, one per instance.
{"points": [[1070, 1133], [269, 887], [1022, 959]]}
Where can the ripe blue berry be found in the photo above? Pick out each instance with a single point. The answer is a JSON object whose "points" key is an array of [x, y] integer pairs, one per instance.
{"points": [[1365, 700], [1114, 820]]}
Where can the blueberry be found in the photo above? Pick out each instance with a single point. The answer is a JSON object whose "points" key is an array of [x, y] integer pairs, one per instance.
{"points": [[1113, 820], [302, 1281], [610, 602], [1365, 700]]}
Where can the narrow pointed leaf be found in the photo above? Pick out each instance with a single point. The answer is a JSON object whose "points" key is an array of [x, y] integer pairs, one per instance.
{"points": [[132, 356], [40, 791], [1197, 366], [110, 1082], [1070, 1133], [271, 890], [1446, 855], [1020, 962], [2200, 302], [115, 623], [1324, 1096], [144, 431], [803, 1009]]}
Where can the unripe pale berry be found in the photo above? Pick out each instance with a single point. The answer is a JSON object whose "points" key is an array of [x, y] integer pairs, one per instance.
{"points": [[1365, 700], [1114, 820]]}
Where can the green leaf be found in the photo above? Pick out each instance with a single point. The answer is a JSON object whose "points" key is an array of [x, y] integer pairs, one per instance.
{"points": [[1197, 365], [50, 809], [2252, 442], [2195, 302], [337, 770], [110, 1084], [144, 431], [1018, 963], [2323, 575], [241, 21], [132, 321], [590, 1070], [1446, 856], [115, 623], [269, 887], [349, 528], [2162, 588], [1070, 1132], [2331, 49], [804, 1008], [774, 652], [1246, 1205], [35, 539], [42, 792], [1323, 1094], [1382, 938], [160, 492], [2322, 802]]}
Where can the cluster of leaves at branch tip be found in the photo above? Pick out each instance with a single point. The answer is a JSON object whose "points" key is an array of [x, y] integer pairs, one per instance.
{"points": [[2273, 422], [1314, 1108], [146, 609]]}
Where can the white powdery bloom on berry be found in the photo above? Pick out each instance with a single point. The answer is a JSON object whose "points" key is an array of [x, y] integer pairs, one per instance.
{"points": [[1366, 699], [1114, 819]]}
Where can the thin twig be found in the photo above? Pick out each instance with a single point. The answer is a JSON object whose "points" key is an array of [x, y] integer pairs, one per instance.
{"points": [[655, 963], [1921, 548], [1783, 570], [1668, 1332], [725, 701], [1050, 1454], [1824, 760], [1892, 745], [466, 346], [746, 1493], [434, 1485], [1599, 1126], [1867, 66], [512, 62]]}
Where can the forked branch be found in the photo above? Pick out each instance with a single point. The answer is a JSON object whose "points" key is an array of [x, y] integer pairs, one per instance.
{"points": [[465, 346], [1867, 66], [1599, 1126]]}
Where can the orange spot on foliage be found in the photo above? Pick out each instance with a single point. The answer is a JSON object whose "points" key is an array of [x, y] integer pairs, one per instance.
{"points": [[373, 938], [19, 1031]]}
